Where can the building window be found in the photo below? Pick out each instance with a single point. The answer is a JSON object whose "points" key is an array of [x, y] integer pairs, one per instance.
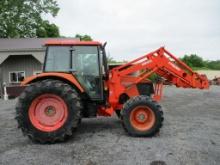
{"points": [[16, 77], [37, 72]]}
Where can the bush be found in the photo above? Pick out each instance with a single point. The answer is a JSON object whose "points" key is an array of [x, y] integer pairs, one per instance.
{"points": [[195, 61], [214, 64]]}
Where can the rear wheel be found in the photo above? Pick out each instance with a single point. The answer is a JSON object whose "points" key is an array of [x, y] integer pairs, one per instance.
{"points": [[141, 116], [48, 111]]}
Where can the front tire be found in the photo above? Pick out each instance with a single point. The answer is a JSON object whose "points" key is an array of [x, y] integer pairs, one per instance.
{"points": [[48, 111], [142, 116]]}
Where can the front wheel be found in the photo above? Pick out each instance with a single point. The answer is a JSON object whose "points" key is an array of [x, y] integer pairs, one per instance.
{"points": [[142, 117]]}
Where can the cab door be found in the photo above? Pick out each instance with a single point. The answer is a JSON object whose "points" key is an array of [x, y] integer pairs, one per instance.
{"points": [[86, 64]]}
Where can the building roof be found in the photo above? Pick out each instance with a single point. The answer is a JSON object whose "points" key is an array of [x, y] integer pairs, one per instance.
{"points": [[26, 43]]}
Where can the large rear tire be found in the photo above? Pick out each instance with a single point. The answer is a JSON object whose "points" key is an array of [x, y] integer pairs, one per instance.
{"points": [[48, 111], [142, 116]]}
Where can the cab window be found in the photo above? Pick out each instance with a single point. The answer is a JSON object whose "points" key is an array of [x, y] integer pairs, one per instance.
{"points": [[58, 59]]}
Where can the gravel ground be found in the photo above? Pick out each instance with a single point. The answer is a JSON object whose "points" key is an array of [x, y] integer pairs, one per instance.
{"points": [[190, 135]]}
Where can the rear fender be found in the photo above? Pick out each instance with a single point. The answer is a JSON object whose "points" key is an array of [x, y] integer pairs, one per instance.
{"points": [[66, 77]]}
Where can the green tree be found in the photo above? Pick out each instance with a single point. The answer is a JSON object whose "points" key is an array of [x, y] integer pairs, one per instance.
{"points": [[22, 18], [83, 37], [193, 60], [47, 30]]}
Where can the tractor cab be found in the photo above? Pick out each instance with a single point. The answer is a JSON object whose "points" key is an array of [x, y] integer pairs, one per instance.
{"points": [[86, 60]]}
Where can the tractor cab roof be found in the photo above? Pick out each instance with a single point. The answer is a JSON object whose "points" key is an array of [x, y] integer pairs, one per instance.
{"points": [[70, 42]]}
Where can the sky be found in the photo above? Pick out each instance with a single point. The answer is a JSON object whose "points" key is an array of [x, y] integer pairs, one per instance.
{"points": [[133, 28]]}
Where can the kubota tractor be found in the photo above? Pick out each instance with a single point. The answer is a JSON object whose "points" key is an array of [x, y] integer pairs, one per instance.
{"points": [[77, 83]]}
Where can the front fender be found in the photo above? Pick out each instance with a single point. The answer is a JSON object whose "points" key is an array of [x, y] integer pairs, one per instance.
{"points": [[66, 77]]}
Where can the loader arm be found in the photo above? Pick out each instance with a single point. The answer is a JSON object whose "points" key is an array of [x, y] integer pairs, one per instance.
{"points": [[162, 63]]}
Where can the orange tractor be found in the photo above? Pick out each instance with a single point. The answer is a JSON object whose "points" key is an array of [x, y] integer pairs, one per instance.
{"points": [[77, 83]]}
